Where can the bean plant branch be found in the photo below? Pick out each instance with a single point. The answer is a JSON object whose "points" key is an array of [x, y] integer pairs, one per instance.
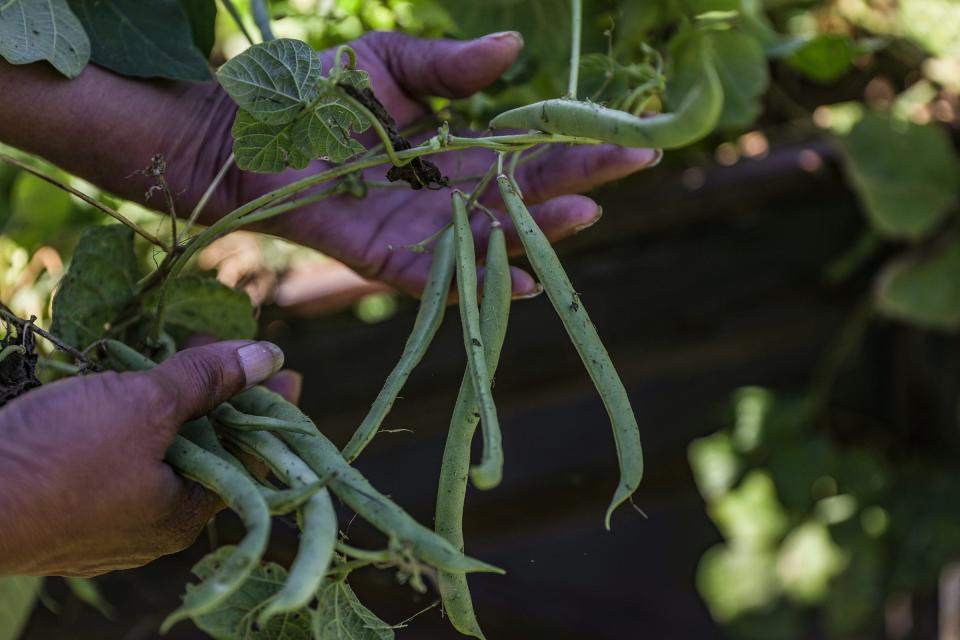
{"points": [[197, 210], [30, 325], [576, 22], [235, 14], [91, 201]]}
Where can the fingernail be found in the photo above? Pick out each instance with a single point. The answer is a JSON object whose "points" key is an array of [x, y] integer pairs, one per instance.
{"points": [[589, 223], [645, 158], [259, 361], [538, 289], [501, 35]]}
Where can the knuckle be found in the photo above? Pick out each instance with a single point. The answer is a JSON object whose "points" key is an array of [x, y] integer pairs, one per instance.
{"points": [[204, 370]]}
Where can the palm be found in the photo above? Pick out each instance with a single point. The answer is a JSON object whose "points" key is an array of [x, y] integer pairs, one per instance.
{"points": [[369, 235]]}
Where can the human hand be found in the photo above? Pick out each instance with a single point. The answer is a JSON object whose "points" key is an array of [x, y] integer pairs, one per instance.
{"points": [[84, 487], [368, 235]]}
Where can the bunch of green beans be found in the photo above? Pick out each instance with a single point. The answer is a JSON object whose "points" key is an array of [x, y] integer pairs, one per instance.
{"points": [[264, 425]]}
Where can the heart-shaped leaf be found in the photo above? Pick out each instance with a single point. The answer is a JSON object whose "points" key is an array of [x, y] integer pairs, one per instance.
{"points": [[273, 81]]}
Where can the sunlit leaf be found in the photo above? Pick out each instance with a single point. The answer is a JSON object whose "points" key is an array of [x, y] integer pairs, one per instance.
{"points": [[146, 39], [905, 174], [99, 284], [808, 559], [273, 80], [735, 579], [17, 597], [32, 30], [924, 290], [340, 616], [934, 24]]}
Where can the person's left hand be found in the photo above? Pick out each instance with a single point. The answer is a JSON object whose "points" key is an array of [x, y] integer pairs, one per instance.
{"points": [[361, 233]]}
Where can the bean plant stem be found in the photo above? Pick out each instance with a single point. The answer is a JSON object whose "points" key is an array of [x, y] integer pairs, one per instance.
{"points": [[232, 10], [576, 21], [197, 210], [79, 194]]}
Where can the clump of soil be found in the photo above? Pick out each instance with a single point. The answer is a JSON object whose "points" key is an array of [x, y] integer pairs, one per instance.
{"points": [[18, 371]]}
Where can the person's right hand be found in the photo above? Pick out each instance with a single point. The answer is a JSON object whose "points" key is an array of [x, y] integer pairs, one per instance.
{"points": [[83, 485]]}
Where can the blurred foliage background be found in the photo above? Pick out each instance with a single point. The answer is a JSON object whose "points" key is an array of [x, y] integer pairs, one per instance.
{"points": [[833, 517]]}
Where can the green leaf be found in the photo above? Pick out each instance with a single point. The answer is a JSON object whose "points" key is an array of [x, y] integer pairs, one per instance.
{"points": [[265, 148], [17, 596], [340, 616], [924, 291], [100, 282], [741, 65], [273, 80], [324, 132], [825, 58], [32, 30], [201, 304], [86, 591], [933, 24], [905, 174], [145, 39], [202, 15], [235, 618]]}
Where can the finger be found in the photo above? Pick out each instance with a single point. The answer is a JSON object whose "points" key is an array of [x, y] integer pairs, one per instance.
{"points": [[523, 285], [558, 218], [194, 381], [565, 169], [442, 67], [287, 383]]}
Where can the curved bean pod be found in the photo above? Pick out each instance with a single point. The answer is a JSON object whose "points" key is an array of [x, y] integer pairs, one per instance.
{"points": [[243, 497], [452, 489], [584, 336], [284, 501], [323, 457], [694, 119], [489, 472], [433, 305], [228, 416], [318, 524]]}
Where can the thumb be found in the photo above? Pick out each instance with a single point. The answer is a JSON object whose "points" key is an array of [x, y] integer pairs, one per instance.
{"points": [[196, 380], [442, 67]]}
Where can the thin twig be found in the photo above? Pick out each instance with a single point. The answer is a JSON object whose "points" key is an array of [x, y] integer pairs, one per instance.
{"points": [[195, 214], [79, 194], [157, 170], [30, 325]]}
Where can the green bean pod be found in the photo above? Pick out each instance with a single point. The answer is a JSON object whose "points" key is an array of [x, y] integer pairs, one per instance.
{"points": [[584, 336], [125, 358], [323, 457], [433, 305], [228, 416], [489, 472], [318, 524], [243, 497], [695, 117], [284, 501], [452, 488]]}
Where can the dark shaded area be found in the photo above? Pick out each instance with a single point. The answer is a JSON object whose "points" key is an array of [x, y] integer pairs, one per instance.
{"points": [[19, 366], [698, 283]]}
